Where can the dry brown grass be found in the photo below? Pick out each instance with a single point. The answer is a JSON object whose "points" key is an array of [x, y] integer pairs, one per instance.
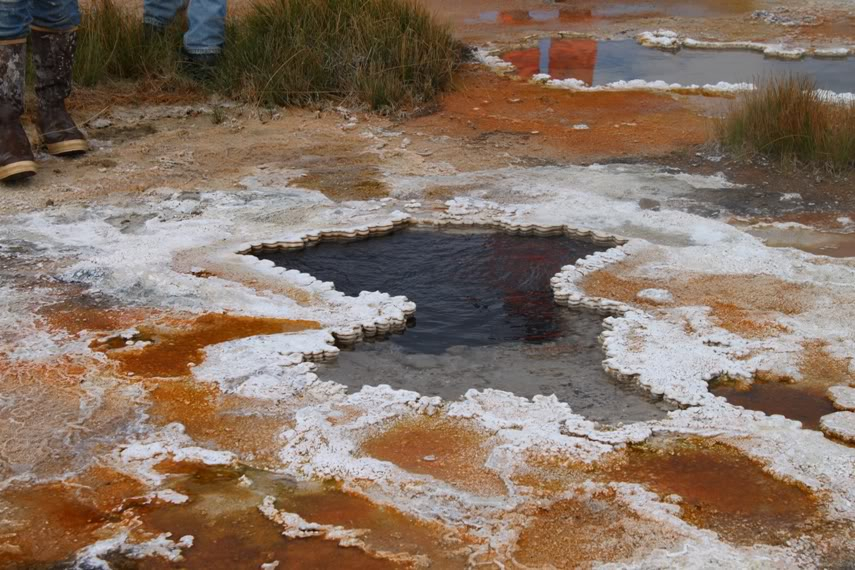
{"points": [[388, 54], [789, 120]]}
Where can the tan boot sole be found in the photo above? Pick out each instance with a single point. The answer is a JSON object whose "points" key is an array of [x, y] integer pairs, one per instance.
{"points": [[68, 147], [17, 170]]}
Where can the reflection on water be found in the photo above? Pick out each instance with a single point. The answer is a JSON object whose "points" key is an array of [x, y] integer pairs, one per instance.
{"points": [[599, 63], [614, 10], [486, 318], [471, 288], [562, 59]]}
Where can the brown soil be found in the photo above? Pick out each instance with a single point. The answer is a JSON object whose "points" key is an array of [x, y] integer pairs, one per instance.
{"points": [[501, 116], [174, 350], [456, 451], [721, 490], [347, 176], [189, 153]]}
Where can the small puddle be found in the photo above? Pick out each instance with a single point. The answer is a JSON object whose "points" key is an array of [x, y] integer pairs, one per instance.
{"points": [[806, 239], [486, 318], [806, 404], [721, 489], [174, 349], [602, 62]]}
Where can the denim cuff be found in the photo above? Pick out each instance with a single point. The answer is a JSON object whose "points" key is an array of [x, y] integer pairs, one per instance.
{"points": [[152, 21], [45, 30], [215, 50]]}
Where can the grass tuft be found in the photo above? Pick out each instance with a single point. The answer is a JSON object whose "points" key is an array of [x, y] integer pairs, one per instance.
{"points": [[388, 54], [789, 120]]}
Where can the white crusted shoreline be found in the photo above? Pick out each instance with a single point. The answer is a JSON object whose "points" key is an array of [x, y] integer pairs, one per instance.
{"points": [[649, 347]]}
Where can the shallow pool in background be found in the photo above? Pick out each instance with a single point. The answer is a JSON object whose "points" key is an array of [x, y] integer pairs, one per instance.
{"points": [[602, 62]]}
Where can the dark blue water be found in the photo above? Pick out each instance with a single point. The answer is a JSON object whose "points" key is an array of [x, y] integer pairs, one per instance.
{"points": [[485, 318], [470, 289]]}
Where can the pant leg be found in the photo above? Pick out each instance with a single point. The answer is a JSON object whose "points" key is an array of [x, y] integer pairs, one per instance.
{"points": [[207, 27], [15, 19], [56, 15], [161, 12]]}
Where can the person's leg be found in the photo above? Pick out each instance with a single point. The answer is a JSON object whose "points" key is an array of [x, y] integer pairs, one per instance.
{"points": [[160, 13], [15, 19], [207, 29], [16, 155], [54, 40]]}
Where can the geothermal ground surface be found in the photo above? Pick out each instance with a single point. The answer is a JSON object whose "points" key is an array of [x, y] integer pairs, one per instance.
{"points": [[665, 382]]}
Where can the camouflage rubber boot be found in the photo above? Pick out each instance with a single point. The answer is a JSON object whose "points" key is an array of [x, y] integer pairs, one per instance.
{"points": [[53, 56], [16, 155]]}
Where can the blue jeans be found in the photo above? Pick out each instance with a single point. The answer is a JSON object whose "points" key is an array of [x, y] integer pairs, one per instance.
{"points": [[16, 16], [207, 22]]}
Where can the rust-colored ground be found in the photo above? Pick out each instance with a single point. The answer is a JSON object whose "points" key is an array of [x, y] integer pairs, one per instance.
{"points": [[390, 530], [743, 304], [230, 532], [214, 420], [48, 523], [721, 490], [806, 404], [578, 532], [499, 115], [822, 369], [80, 313], [57, 416], [449, 449], [806, 400], [348, 176], [175, 350]]}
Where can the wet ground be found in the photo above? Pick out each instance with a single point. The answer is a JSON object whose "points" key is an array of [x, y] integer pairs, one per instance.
{"points": [[804, 404], [601, 62], [805, 238], [720, 489], [485, 318]]}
